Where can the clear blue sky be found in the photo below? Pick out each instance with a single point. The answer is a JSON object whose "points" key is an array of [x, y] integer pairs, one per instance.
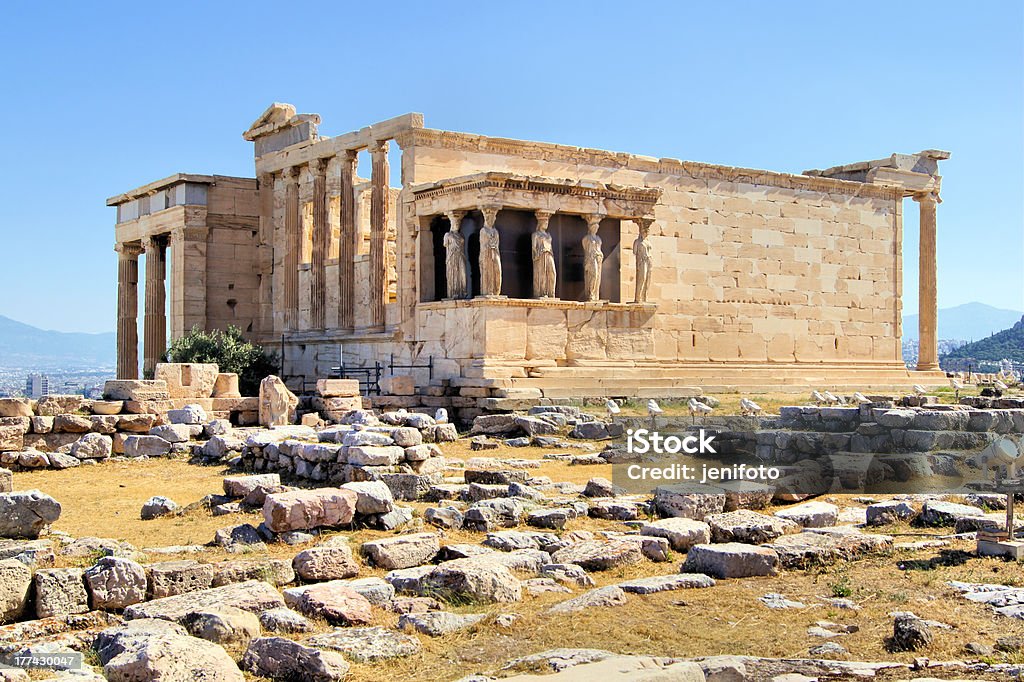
{"points": [[100, 98]]}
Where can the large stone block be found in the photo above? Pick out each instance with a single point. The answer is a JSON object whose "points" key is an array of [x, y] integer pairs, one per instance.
{"points": [[474, 578], [403, 551], [162, 651], [26, 513], [188, 380], [226, 386], [52, 405], [691, 501], [115, 583], [505, 335], [337, 388], [546, 334], [278, 658], [146, 446], [254, 596], [15, 585], [168, 578], [305, 509], [731, 560], [277, 403], [681, 533], [11, 438], [15, 407], [60, 592], [241, 486], [135, 389]]}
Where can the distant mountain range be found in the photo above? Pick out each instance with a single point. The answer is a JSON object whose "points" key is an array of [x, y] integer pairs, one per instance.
{"points": [[23, 345], [967, 322]]}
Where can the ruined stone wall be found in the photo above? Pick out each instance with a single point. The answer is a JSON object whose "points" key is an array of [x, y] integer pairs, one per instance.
{"points": [[750, 266], [232, 282]]}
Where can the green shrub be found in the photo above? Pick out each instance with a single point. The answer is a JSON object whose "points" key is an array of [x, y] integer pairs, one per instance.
{"points": [[230, 351]]}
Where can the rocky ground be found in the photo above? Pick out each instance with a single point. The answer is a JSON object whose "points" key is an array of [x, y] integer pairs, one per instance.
{"points": [[508, 563]]}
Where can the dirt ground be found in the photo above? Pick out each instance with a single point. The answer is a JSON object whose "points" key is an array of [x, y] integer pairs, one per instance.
{"points": [[104, 501]]}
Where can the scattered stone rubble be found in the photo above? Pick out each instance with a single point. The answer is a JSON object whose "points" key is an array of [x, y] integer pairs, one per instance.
{"points": [[186, 619]]}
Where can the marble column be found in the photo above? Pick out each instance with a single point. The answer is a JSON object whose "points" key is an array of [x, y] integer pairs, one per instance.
{"points": [[378, 231], [321, 231], [154, 334], [292, 225], [928, 344], [347, 246], [128, 310], [265, 250]]}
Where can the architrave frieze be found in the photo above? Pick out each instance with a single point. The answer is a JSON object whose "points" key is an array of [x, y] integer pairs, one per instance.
{"points": [[532, 193], [544, 151]]}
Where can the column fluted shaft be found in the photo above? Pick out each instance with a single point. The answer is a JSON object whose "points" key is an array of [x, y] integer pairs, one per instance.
{"points": [[292, 223], [321, 230], [128, 310], [347, 245], [155, 320], [379, 182], [928, 343]]}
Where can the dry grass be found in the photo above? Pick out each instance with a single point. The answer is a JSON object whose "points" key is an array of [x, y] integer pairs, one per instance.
{"points": [[105, 500], [729, 619]]}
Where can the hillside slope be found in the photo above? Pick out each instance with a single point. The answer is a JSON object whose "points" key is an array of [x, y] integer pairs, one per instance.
{"points": [[1007, 344]]}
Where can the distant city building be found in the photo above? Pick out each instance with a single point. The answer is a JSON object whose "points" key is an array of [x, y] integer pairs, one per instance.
{"points": [[37, 385]]}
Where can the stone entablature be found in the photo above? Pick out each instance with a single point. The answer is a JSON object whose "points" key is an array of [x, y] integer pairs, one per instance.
{"points": [[534, 194], [549, 152]]}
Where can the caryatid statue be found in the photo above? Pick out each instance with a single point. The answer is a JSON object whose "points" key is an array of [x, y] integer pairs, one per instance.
{"points": [[593, 259], [642, 251], [490, 256], [455, 257], [543, 258]]}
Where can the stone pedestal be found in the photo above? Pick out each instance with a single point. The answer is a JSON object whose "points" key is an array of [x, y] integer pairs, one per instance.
{"points": [[226, 386], [188, 379]]}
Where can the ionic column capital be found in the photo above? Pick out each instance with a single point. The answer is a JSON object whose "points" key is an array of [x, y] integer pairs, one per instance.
{"points": [[319, 166], [152, 242], [292, 173], [128, 250], [379, 147], [928, 197]]}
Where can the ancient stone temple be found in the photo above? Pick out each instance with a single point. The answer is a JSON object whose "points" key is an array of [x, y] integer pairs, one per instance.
{"points": [[509, 268]]}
